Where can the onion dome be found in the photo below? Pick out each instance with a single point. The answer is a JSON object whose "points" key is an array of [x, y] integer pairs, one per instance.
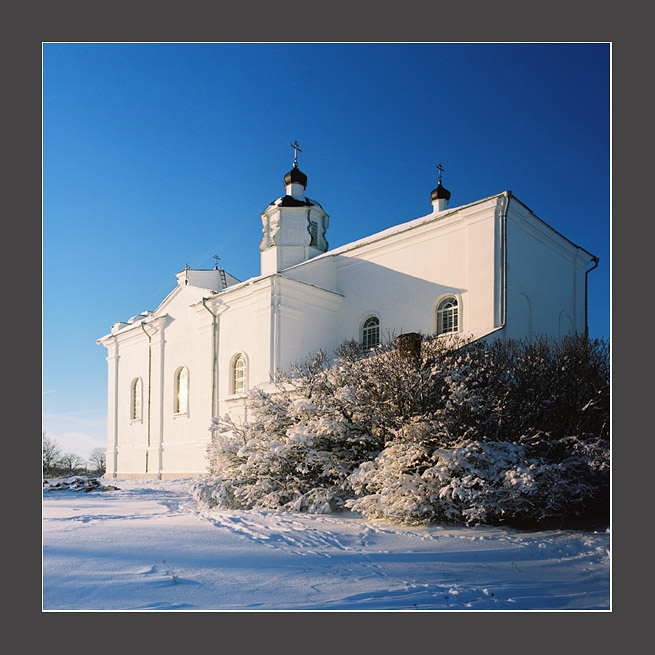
{"points": [[295, 176], [440, 193]]}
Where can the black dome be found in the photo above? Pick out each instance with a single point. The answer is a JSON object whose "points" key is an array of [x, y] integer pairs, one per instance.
{"points": [[295, 176], [440, 192]]}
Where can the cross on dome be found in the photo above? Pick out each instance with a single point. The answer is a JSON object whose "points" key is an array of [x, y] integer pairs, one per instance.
{"points": [[296, 150], [440, 195], [295, 175]]}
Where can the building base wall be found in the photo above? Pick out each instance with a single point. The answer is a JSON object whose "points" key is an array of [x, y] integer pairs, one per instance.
{"points": [[155, 476]]}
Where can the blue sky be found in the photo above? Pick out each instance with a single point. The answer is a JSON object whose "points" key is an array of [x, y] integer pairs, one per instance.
{"points": [[160, 155]]}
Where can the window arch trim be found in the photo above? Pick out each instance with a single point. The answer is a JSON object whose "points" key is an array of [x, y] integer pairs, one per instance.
{"points": [[239, 366], [447, 314], [181, 391], [136, 400], [369, 331]]}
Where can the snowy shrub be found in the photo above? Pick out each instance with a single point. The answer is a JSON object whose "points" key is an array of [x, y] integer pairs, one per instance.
{"points": [[518, 436], [509, 432], [299, 446], [475, 482]]}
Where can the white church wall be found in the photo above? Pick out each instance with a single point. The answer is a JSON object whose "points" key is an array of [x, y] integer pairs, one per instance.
{"points": [[307, 316], [277, 259], [521, 313], [131, 434], [320, 271], [274, 322], [579, 291], [545, 278], [112, 393], [401, 277], [244, 326], [172, 437], [269, 261], [484, 267], [188, 344], [206, 279]]}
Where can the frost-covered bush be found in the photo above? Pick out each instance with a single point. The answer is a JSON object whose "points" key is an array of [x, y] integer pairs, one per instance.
{"points": [[473, 482], [520, 435], [507, 432], [502, 390], [298, 447], [466, 482]]}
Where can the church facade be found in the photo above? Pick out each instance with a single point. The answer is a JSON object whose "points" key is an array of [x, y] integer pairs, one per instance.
{"points": [[490, 268]]}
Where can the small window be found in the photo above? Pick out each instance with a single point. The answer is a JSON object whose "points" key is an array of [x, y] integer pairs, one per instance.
{"points": [[371, 332], [135, 399], [313, 231], [239, 374], [447, 315], [181, 390]]}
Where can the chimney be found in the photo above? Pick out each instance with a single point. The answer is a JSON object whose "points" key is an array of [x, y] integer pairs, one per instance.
{"points": [[409, 345]]}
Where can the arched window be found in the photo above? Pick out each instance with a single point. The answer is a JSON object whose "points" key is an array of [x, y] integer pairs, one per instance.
{"points": [[370, 332], [447, 315], [135, 399], [239, 374], [181, 390]]}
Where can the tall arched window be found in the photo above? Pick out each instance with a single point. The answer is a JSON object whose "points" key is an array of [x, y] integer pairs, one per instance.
{"points": [[135, 399], [370, 332], [239, 374], [181, 390], [447, 315]]}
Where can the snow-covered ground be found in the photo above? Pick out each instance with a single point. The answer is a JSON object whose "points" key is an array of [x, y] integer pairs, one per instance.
{"points": [[147, 546]]}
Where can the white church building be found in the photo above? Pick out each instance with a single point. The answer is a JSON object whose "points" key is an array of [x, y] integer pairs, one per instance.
{"points": [[490, 267]]}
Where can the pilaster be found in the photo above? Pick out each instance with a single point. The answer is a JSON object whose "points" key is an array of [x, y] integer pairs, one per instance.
{"points": [[113, 357], [155, 394]]}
